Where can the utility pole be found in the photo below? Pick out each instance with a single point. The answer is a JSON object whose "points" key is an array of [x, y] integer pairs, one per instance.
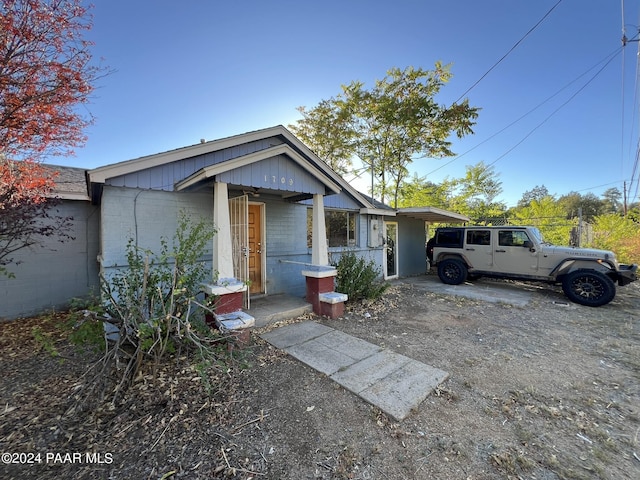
{"points": [[624, 198], [579, 227]]}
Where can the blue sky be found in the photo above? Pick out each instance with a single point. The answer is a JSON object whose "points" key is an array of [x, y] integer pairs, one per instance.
{"points": [[210, 69]]}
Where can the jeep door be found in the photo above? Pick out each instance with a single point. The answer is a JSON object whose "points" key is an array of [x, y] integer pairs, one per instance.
{"points": [[511, 255], [477, 248]]}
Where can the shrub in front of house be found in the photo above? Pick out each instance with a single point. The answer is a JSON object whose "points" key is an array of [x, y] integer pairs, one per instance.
{"points": [[358, 278], [152, 309]]}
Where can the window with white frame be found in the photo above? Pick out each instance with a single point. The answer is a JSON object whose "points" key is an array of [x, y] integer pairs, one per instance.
{"points": [[340, 225]]}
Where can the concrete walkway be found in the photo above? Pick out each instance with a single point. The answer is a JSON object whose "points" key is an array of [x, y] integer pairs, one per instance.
{"points": [[394, 383], [485, 290]]}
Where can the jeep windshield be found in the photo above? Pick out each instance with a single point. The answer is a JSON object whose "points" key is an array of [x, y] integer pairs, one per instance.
{"points": [[538, 234]]}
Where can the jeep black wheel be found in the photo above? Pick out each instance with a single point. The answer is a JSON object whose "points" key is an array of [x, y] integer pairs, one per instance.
{"points": [[588, 287], [452, 271]]}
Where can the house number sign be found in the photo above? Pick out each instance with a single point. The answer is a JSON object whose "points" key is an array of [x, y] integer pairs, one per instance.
{"points": [[273, 179]]}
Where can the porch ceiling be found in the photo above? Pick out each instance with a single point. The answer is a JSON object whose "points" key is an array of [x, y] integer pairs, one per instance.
{"points": [[432, 215]]}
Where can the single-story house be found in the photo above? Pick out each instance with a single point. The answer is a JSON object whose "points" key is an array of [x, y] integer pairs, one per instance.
{"points": [[278, 209]]}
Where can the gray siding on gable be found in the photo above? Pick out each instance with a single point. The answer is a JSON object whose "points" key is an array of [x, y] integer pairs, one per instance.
{"points": [[276, 173], [164, 177], [49, 276]]}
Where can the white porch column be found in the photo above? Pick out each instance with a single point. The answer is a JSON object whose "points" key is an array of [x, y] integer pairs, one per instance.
{"points": [[319, 251], [222, 246]]}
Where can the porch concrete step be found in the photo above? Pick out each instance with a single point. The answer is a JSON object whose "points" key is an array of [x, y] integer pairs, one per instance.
{"points": [[274, 308]]}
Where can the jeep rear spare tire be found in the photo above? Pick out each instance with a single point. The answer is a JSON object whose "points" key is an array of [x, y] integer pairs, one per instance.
{"points": [[452, 271], [588, 287]]}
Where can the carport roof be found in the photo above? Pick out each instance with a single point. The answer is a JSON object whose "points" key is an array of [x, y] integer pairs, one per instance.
{"points": [[432, 215]]}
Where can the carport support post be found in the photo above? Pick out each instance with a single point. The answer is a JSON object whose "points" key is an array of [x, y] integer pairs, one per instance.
{"points": [[228, 289]]}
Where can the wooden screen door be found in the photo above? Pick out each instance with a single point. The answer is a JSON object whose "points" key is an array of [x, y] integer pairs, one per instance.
{"points": [[256, 248]]}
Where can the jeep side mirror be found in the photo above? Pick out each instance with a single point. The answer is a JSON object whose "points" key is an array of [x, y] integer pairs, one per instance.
{"points": [[529, 244]]}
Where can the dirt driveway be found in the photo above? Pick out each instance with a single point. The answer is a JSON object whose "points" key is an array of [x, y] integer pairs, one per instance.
{"points": [[549, 390]]}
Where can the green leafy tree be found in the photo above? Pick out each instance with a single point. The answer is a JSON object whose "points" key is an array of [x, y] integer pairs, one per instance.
{"points": [[611, 200], [536, 193], [418, 192], [473, 195], [589, 204], [620, 234], [389, 125], [478, 191], [549, 216], [326, 130]]}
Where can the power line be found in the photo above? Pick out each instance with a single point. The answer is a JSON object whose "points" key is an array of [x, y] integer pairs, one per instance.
{"points": [[553, 113], [606, 59], [599, 186], [510, 50]]}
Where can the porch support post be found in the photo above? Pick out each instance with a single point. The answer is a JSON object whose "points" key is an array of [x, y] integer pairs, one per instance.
{"points": [[222, 250], [227, 289], [319, 251], [321, 277]]}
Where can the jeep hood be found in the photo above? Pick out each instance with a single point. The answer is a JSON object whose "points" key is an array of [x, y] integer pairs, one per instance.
{"points": [[577, 252]]}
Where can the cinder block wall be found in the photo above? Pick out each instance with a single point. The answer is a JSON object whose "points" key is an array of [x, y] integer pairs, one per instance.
{"points": [[286, 237], [287, 242], [48, 276], [146, 216]]}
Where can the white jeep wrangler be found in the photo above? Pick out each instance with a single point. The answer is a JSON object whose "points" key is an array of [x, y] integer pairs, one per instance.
{"points": [[587, 276]]}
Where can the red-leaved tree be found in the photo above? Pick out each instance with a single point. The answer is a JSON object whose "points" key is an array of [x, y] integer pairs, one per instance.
{"points": [[46, 76], [46, 73]]}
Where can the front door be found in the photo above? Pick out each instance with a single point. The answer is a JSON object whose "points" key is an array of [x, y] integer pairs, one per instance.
{"points": [[256, 248], [390, 262]]}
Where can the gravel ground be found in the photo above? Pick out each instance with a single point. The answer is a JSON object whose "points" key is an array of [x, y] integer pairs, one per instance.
{"points": [[550, 390]]}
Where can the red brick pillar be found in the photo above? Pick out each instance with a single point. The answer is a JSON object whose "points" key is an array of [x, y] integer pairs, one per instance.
{"points": [[319, 281], [229, 298]]}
